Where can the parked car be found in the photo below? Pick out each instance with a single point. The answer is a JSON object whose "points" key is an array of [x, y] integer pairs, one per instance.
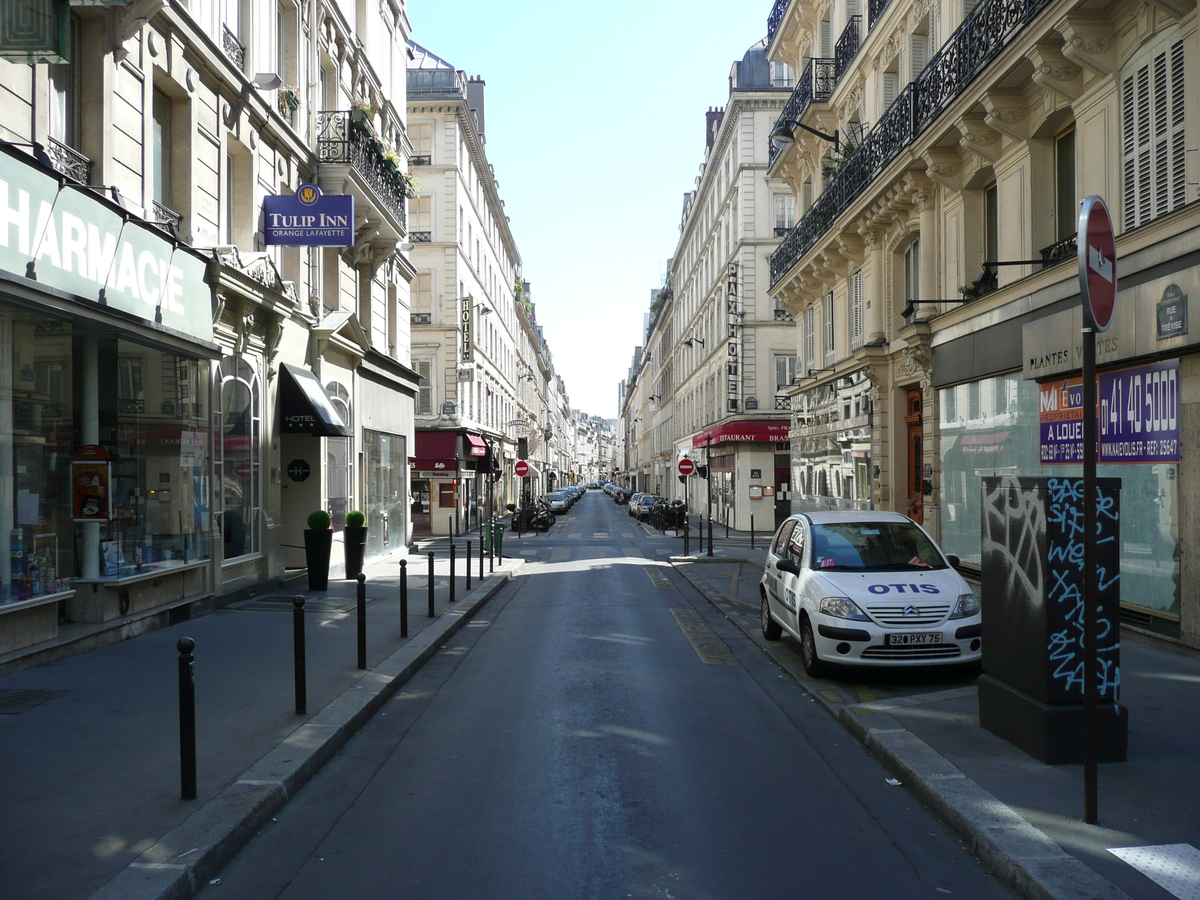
{"points": [[558, 502], [867, 588], [643, 506], [631, 510]]}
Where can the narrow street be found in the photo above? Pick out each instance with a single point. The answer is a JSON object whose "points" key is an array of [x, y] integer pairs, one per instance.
{"points": [[601, 730]]}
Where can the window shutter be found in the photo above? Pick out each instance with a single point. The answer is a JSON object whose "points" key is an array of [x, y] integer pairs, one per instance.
{"points": [[829, 328], [968, 7], [890, 80], [1152, 137], [807, 195], [810, 350], [856, 309], [918, 54], [826, 40], [1178, 151]]}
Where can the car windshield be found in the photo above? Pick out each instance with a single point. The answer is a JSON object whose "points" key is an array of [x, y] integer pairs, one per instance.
{"points": [[895, 546], [648, 500], [557, 496]]}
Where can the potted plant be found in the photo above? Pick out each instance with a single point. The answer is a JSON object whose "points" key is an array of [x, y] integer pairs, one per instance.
{"points": [[354, 538], [318, 542]]}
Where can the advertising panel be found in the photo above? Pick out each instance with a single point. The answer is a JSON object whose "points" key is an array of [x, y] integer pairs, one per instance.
{"points": [[309, 218], [1138, 417]]}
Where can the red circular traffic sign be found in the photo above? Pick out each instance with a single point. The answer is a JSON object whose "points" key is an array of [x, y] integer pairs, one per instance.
{"points": [[521, 468], [1097, 264], [686, 466]]}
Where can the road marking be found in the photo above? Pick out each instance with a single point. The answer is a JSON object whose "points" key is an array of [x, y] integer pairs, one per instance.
{"points": [[633, 553], [864, 693], [562, 554], [574, 536], [657, 577], [1174, 867], [832, 696], [710, 648], [603, 535], [597, 552]]}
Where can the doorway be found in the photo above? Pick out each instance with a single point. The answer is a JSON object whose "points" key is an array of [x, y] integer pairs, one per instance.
{"points": [[916, 454]]}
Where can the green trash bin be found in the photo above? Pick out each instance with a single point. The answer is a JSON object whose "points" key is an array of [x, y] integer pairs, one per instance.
{"points": [[499, 538]]}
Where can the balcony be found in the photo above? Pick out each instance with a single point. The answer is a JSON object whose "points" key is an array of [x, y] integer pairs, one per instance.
{"points": [[436, 83], [1060, 251], [341, 141], [846, 47], [420, 237], [815, 84], [167, 219], [423, 159], [775, 19], [234, 49], [66, 161], [875, 9], [782, 315], [976, 42], [783, 401]]}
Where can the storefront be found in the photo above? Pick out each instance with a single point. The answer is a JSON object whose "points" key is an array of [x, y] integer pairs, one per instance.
{"points": [[444, 488], [748, 471], [1028, 421], [105, 443]]}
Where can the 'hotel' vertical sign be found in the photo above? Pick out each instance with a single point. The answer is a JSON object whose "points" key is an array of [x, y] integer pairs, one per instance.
{"points": [[467, 318]]}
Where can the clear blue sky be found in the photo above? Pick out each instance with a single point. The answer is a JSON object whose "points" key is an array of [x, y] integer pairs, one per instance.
{"points": [[595, 127]]}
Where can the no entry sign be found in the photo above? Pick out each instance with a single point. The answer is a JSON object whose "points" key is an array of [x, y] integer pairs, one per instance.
{"points": [[1097, 264], [521, 468], [686, 466]]}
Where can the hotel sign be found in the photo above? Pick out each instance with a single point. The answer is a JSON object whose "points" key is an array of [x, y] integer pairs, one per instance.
{"points": [[309, 218], [466, 318]]}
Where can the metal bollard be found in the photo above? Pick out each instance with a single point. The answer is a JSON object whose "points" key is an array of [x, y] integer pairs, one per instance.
{"points": [[752, 532], [298, 654], [187, 718], [431, 585], [453, 550], [687, 536], [710, 553], [362, 620], [726, 526], [467, 563], [404, 598], [481, 555]]}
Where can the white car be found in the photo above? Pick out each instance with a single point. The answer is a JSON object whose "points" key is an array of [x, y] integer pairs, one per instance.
{"points": [[867, 588]]}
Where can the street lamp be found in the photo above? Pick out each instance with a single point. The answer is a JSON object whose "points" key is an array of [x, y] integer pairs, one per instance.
{"points": [[708, 473]]}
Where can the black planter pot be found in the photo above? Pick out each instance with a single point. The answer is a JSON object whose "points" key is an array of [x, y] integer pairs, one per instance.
{"points": [[317, 546], [354, 538]]}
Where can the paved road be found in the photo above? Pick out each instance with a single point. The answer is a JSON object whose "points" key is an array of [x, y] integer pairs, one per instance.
{"points": [[600, 730]]}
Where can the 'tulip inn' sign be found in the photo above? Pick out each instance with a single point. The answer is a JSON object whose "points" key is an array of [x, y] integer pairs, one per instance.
{"points": [[309, 218]]}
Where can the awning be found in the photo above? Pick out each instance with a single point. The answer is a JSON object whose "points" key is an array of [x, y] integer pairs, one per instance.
{"points": [[305, 408], [983, 442], [757, 430], [475, 445], [435, 451]]}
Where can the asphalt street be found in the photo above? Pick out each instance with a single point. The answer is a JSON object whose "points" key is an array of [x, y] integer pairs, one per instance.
{"points": [[599, 729]]}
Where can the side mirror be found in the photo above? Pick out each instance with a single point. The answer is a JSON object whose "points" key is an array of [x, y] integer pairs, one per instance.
{"points": [[786, 565], [953, 560]]}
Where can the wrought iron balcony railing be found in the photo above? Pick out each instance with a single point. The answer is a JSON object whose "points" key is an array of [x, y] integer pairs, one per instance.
{"points": [[68, 161], [234, 49], [341, 141], [815, 84], [783, 401], [781, 230], [975, 43], [423, 159], [167, 219], [775, 19], [1059, 251], [846, 47], [420, 237], [782, 315], [875, 9]]}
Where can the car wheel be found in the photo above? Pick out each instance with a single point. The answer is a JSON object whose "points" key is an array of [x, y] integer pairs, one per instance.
{"points": [[808, 651], [771, 629]]}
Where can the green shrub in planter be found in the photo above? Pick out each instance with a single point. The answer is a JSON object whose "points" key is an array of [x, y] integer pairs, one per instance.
{"points": [[355, 519], [318, 542], [319, 520]]}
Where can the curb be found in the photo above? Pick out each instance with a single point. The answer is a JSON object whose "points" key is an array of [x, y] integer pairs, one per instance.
{"points": [[184, 859], [1019, 855]]}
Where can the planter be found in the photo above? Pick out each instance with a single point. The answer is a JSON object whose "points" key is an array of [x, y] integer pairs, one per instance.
{"points": [[354, 540], [317, 546]]}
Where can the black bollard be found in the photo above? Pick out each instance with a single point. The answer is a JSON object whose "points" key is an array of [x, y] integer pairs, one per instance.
{"points": [[467, 564], [187, 718], [362, 620], [726, 526], [298, 655], [431, 585], [453, 550], [481, 554], [404, 598], [710, 553], [700, 536], [687, 535], [752, 532]]}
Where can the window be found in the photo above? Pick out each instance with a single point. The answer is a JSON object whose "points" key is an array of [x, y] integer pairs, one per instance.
{"points": [[161, 148], [918, 50], [781, 75], [806, 194], [810, 352], [912, 273], [829, 336], [785, 372], [238, 468], [339, 459], [1153, 151], [424, 369], [1065, 208], [991, 224], [826, 40], [785, 213], [64, 94], [856, 309]]}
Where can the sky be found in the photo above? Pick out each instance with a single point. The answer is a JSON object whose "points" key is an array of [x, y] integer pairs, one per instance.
{"points": [[595, 129]]}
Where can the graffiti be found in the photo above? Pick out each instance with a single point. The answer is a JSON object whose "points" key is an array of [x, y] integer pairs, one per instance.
{"points": [[1013, 532], [1064, 553]]}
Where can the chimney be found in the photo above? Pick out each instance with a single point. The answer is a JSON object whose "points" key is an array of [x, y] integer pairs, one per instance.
{"points": [[712, 124], [476, 87]]}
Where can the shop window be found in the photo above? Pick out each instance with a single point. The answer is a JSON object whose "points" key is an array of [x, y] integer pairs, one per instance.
{"points": [[238, 464], [386, 502]]}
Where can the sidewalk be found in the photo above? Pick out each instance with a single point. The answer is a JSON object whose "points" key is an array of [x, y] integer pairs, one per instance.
{"points": [[89, 747], [1022, 818]]}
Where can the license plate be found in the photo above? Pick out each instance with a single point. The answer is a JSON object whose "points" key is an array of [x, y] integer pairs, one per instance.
{"points": [[912, 640]]}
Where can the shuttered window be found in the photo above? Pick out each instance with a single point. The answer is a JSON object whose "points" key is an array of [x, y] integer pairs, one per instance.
{"points": [[918, 54], [425, 393], [810, 339], [829, 328], [1153, 153], [856, 310]]}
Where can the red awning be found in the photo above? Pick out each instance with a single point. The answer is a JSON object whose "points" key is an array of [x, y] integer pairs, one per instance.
{"points": [[988, 442], [435, 451], [475, 445], [757, 430]]}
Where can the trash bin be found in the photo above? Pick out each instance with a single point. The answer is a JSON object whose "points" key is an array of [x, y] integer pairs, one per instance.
{"points": [[498, 536]]}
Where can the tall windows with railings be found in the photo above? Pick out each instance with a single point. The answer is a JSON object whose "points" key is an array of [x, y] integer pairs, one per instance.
{"points": [[64, 95], [857, 310], [161, 146], [827, 316], [238, 447], [1066, 205], [1153, 132]]}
